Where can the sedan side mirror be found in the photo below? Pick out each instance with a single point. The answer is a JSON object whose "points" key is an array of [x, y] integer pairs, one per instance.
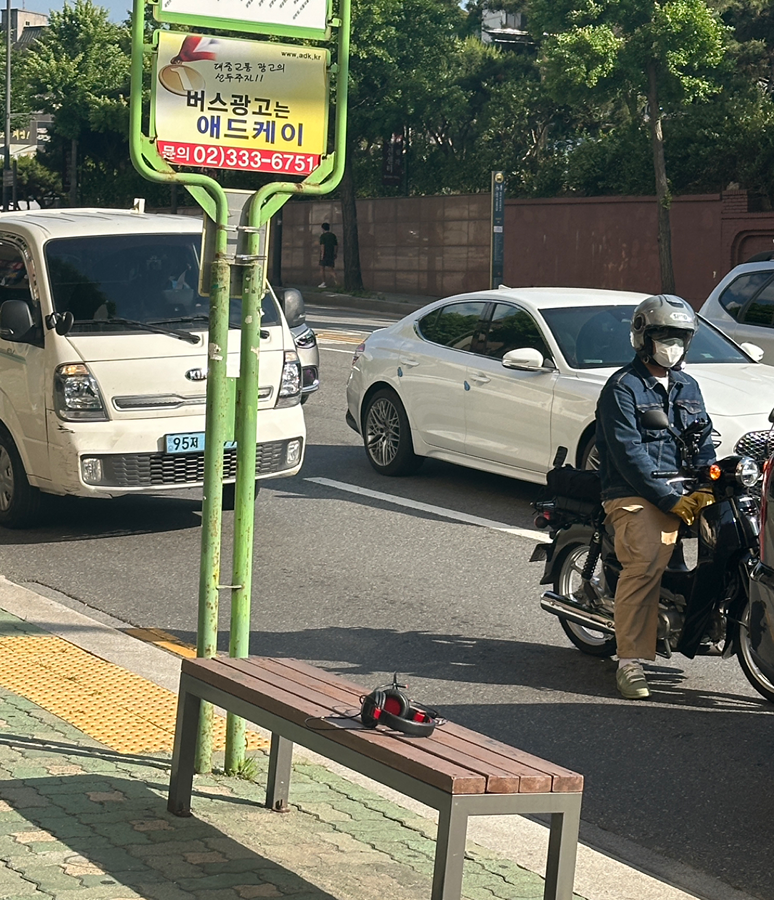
{"points": [[16, 322], [293, 306], [753, 350], [525, 358]]}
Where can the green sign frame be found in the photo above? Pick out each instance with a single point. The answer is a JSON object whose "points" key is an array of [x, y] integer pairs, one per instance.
{"points": [[244, 25]]}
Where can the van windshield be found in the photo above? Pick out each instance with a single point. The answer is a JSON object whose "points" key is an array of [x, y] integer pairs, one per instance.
{"points": [[109, 281]]}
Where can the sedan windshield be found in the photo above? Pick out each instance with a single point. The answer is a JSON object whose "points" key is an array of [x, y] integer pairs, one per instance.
{"points": [[597, 337], [109, 282]]}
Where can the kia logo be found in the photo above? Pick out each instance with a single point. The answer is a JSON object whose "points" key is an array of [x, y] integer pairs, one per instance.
{"points": [[196, 375]]}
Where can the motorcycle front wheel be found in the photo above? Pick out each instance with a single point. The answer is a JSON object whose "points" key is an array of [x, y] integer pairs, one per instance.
{"points": [[755, 676], [568, 581]]}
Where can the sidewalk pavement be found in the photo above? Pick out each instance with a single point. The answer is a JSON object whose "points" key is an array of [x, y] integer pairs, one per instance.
{"points": [[86, 724], [392, 303]]}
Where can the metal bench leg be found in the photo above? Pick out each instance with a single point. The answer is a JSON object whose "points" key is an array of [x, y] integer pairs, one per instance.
{"points": [[186, 730], [450, 852], [278, 782], [562, 850]]}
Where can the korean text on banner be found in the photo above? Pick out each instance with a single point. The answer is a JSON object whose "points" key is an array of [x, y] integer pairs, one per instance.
{"points": [[229, 104]]}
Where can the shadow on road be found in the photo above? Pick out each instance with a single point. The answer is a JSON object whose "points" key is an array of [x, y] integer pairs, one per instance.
{"points": [[651, 773], [83, 519]]}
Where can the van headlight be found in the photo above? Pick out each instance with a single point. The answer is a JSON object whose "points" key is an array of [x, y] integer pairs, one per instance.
{"points": [[747, 471], [76, 394], [290, 386]]}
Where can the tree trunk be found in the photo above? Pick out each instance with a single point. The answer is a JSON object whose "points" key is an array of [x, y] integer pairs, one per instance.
{"points": [[74, 172], [353, 276], [663, 196]]}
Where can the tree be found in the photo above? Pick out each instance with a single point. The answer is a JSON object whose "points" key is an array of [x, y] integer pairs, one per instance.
{"points": [[397, 48], [79, 72], [662, 53]]}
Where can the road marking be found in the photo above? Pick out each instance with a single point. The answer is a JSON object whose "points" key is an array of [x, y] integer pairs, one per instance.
{"points": [[336, 350], [341, 337], [428, 508]]}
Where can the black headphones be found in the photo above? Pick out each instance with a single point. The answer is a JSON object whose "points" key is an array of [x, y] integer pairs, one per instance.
{"points": [[389, 706]]}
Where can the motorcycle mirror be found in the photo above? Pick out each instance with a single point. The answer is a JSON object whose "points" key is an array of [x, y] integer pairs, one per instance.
{"points": [[771, 417], [655, 418]]}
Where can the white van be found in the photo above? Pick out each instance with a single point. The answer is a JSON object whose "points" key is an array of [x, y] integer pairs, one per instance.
{"points": [[103, 360]]}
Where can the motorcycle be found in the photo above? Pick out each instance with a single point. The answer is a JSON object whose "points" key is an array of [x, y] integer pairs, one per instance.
{"points": [[705, 609]]}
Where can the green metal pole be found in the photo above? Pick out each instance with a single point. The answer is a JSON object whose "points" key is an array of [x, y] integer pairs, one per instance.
{"points": [[244, 504], [217, 387], [247, 403]]}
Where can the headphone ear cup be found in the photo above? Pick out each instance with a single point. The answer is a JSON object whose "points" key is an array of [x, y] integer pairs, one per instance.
{"points": [[396, 703], [371, 709]]}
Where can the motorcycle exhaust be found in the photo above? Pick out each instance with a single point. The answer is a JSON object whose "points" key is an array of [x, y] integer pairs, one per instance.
{"points": [[560, 606]]}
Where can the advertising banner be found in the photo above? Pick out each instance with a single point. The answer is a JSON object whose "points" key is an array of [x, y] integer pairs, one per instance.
{"points": [[269, 16], [220, 103]]}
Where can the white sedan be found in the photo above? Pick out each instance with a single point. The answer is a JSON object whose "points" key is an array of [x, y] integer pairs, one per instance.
{"points": [[498, 380]]}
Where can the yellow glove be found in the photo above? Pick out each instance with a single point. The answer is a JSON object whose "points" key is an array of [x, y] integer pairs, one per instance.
{"points": [[701, 498], [689, 506], [685, 508]]}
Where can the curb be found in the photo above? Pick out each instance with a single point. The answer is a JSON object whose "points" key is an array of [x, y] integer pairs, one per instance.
{"points": [[319, 297]]}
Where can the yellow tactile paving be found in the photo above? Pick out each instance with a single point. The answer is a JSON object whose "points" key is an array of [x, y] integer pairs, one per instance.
{"points": [[162, 639], [118, 708]]}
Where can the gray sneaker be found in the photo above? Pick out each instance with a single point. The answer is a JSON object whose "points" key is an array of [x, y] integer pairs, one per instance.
{"points": [[631, 682]]}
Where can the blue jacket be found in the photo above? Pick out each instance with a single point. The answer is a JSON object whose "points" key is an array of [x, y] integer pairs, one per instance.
{"points": [[630, 453]]}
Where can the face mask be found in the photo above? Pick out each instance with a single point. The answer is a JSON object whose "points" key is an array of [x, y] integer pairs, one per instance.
{"points": [[668, 353]]}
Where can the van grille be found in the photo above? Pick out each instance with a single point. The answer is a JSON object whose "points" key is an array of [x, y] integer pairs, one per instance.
{"points": [[159, 469]]}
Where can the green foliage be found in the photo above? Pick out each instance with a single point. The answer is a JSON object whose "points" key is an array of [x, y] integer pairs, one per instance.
{"points": [[564, 114], [37, 182]]}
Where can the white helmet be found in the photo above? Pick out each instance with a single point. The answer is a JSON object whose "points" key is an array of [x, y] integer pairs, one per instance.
{"points": [[660, 317]]}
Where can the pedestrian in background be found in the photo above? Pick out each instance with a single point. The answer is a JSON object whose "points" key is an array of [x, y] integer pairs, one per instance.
{"points": [[329, 249]]}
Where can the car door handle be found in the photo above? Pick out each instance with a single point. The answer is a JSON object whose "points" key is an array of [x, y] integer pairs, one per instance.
{"points": [[480, 378], [409, 361]]}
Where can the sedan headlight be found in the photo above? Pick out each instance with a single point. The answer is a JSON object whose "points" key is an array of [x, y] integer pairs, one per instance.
{"points": [[76, 394], [290, 387], [747, 471], [306, 340]]}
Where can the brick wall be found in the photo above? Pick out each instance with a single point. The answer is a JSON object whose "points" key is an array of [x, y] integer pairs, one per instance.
{"points": [[436, 246]]}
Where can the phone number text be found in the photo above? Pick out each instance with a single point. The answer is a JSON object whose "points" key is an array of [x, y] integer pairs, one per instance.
{"points": [[218, 157]]}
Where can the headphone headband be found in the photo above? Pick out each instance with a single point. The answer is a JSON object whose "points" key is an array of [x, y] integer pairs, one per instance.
{"points": [[390, 707]]}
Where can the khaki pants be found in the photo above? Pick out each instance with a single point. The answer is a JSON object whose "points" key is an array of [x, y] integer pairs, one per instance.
{"points": [[644, 540]]}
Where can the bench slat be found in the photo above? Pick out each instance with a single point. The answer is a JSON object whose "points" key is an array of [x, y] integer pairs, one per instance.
{"points": [[410, 760], [499, 780], [504, 776], [563, 780]]}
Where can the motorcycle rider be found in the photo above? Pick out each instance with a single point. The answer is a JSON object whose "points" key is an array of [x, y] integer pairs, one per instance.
{"points": [[644, 511]]}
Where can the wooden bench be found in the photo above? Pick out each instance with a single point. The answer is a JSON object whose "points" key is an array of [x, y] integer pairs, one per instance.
{"points": [[457, 771]]}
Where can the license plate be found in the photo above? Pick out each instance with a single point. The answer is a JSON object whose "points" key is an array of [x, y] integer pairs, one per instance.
{"points": [[191, 442]]}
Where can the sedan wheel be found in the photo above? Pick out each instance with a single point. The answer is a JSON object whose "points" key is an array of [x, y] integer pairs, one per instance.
{"points": [[387, 435], [590, 456]]}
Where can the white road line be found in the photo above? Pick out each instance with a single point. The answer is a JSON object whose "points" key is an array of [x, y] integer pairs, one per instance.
{"points": [[336, 350], [428, 508]]}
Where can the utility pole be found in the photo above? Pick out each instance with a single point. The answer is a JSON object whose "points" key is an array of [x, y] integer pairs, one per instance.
{"points": [[7, 174]]}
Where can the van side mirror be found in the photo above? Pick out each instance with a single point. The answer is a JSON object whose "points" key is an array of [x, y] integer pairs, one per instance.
{"points": [[293, 306], [16, 323]]}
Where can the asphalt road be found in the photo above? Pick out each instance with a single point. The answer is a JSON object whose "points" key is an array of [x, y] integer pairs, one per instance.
{"points": [[366, 586]]}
